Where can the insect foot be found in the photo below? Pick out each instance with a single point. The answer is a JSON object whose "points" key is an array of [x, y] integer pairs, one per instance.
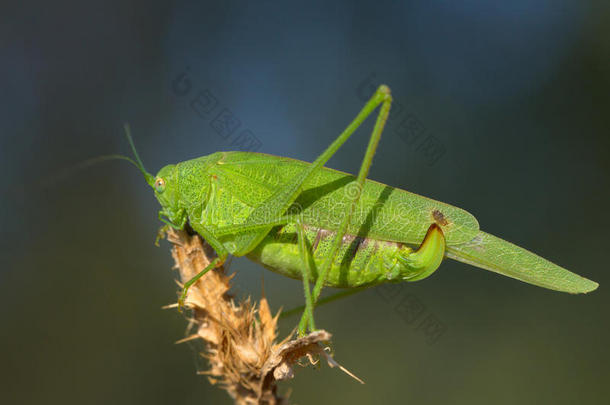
{"points": [[182, 298], [239, 337]]}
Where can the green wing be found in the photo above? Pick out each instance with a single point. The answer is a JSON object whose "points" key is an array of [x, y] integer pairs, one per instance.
{"points": [[383, 212], [491, 253]]}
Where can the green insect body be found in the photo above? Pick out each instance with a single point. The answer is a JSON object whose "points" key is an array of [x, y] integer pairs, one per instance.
{"points": [[386, 227], [309, 222]]}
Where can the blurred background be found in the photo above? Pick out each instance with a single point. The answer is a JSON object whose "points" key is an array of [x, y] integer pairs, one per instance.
{"points": [[501, 109]]}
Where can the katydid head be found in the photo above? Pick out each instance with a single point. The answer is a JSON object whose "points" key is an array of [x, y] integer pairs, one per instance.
{"points": [[166, 190], [164, 185]]}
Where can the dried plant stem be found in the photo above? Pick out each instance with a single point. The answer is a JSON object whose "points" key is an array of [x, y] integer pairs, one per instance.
{"points": [[239, 337]]}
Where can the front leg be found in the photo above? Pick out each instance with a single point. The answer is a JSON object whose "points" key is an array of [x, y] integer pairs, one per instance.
{"points": [[168, 224], [217, 262], [220, 250]]}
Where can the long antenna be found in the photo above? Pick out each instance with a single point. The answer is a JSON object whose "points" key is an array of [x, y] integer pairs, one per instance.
{"points": [[66, 172], [138, 163]]}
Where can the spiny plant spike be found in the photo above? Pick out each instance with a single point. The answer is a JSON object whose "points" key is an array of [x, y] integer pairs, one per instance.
{"points": [[239, 337]]}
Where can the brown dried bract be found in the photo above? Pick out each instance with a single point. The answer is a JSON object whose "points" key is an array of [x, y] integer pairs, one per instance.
{"points": [[240, 337]]}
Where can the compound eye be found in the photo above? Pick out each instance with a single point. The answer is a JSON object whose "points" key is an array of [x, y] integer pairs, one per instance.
{"points": [[160, 185]]}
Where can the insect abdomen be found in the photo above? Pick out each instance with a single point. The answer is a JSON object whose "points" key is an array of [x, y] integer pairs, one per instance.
{"points": [[359, 262]]}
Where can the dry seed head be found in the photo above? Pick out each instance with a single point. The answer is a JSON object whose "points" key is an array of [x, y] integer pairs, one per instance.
{"points": [[240, 337]]}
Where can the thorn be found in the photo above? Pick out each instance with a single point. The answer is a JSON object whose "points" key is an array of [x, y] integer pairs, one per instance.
{"points": [[187, 339], [333, 363]]}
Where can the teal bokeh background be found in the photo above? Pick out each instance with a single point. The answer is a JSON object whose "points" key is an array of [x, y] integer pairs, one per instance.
{"points": [[516, 95]]}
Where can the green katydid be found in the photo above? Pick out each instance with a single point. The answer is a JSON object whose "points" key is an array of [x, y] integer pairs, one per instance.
{"points": [[329, 228]]}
